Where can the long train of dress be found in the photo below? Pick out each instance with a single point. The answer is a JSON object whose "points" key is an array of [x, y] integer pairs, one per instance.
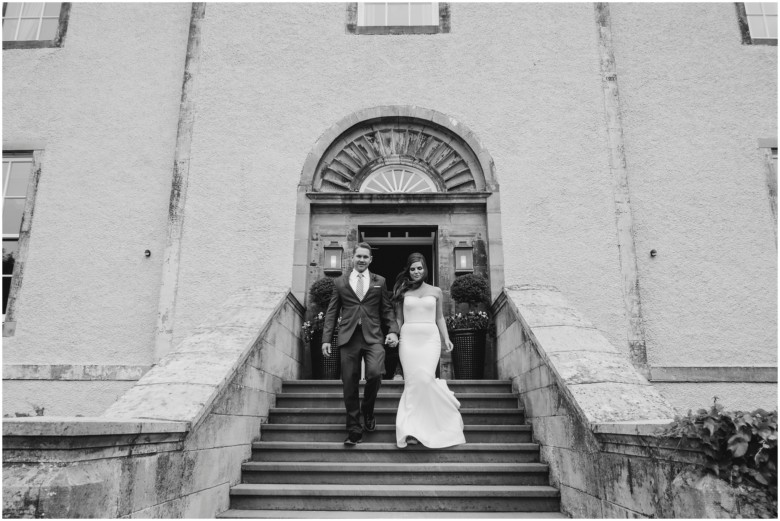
{"points": [[428, 410]]}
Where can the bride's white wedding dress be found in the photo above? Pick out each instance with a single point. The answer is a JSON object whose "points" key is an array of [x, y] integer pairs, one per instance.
{"points": [[428, 410]]}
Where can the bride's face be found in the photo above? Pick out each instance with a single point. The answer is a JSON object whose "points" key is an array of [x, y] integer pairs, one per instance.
{"points": [[416, 271]]}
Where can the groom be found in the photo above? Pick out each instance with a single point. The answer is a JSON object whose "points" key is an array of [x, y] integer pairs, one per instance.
{"points": [[364, 303]]}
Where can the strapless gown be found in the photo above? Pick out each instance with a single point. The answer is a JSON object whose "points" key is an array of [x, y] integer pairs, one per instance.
{"points": [[428, 410]]}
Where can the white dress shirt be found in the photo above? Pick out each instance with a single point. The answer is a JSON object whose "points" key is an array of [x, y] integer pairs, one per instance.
{"points": [[353, 278]]}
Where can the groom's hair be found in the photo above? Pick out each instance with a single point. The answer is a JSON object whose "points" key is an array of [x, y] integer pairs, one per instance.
{"points": [[363, 245]]}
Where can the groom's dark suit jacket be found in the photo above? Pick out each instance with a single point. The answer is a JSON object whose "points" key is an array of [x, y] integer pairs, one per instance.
{"points": [[375, 310]]}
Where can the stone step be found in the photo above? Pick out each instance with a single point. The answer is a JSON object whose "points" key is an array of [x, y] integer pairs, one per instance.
{"points": [[386, 416], [326, 400], [386, 433], [390, 453], [423, 498], [335, 514], [396, 386], [396, 473]]}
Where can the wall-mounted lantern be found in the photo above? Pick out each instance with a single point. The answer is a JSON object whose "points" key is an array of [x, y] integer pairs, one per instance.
{"points": [[464, 258], [333, 253]]}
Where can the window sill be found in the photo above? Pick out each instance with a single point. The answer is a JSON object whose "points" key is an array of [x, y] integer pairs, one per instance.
{"points": [[30, 44], [398, 29]]}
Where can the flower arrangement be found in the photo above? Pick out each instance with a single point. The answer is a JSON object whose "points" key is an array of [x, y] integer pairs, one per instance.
{"points": [[471, 320], [316, 325]]}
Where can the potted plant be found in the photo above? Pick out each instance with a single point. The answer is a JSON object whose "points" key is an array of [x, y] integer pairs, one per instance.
{"points": [[468, 331], [322, 367]]}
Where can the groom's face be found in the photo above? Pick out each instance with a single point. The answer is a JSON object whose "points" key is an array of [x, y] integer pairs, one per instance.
{"points": [[361, 259]]}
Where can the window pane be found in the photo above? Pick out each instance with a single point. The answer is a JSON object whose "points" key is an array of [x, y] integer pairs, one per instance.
{"points": [[9, 29], [756, 25], [12, 9], [397, 14], [12, 215], [10, 252], [28, 30], [48, 29], [52, 9], [20, 174], [6, 290], [32, 9], [753, 8], [422, 14], [374, 13], [770, 8]]}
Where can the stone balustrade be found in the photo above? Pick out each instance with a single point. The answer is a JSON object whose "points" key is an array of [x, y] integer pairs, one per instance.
{"points": [[173, 444], [597, 418]]}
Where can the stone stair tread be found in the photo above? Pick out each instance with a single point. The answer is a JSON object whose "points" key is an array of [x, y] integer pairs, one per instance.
{"points": [[384, 427], [293, 383], [341, 514], [392, 467], [459, 491], [388, 410], [334, 445], [340, 395]]}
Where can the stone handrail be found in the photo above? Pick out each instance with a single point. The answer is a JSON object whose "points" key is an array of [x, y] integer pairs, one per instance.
{"points": [[173, 444], [596, 417]]}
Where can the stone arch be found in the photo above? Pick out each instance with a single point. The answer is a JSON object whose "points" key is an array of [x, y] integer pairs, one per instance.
{"points": [[454, 158], [401, 128]]}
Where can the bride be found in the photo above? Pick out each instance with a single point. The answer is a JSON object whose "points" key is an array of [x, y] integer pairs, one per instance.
{"points": [[428, 410]]}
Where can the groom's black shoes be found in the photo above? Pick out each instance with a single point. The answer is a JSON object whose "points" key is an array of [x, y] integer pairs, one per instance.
{"points": [[354, 438], [370, 424]]}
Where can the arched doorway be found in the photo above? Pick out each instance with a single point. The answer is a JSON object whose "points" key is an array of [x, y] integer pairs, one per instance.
{"points": [[403, 179]]}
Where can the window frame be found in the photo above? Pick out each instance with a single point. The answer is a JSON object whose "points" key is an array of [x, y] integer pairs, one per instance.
{"points": [[768, 146], [744, 28], [9, 320], [59, 36], [352, 27]]}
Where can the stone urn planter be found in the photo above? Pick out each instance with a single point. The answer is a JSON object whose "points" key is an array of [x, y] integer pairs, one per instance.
{"points": [[468, 354], [325, 368], [468, 330]]}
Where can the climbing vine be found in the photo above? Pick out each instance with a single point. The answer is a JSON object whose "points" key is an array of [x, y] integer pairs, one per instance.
{"points": [[741, 447]]}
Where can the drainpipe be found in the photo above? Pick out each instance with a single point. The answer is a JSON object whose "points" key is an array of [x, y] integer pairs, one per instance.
{"points": [[623, 217], [181, 172]]}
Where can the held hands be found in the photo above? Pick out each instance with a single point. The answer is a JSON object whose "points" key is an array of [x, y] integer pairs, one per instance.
{"points": [[391, 339], [326, 349], [448, 345]]}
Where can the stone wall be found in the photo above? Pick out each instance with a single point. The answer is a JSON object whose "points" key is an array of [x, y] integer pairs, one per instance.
{"points": [[594, 415], [173, 444]]}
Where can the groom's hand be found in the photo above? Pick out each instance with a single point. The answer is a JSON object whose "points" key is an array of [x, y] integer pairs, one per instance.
{"points": [[326, 350], [391, 339]]}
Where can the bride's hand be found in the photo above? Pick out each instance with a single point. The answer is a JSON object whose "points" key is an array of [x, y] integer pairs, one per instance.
{"points": [[448, 345]]}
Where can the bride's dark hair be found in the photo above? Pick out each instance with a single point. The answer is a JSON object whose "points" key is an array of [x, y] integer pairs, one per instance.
{"points": [[404, 283]]}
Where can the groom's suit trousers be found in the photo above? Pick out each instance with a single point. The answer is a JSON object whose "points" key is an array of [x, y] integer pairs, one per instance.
{"points": [[374, 355]]}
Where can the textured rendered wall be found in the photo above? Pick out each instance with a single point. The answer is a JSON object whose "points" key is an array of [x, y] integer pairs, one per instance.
{"points": [[694, 110], [695, 102], [104, 108], [274, 77]]}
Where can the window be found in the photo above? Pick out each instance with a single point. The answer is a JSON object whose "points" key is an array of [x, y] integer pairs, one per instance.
{"points": [[17, 170], [398, 18], [405, 13], [758, 21], [34, 24], [397, 179]]}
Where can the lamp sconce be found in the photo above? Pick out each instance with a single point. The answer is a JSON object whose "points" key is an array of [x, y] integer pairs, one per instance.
{"points": [[464, 258], [333, 254]]}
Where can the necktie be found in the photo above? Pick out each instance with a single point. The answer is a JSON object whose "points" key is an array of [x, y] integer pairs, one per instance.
{"points": [[360, 291]]}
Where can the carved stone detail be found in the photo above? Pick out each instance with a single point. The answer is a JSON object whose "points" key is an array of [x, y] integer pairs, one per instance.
{"points": [[370, 146]]}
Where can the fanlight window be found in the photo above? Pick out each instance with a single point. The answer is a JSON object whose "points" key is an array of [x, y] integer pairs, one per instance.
{"points": [[398, 180]]}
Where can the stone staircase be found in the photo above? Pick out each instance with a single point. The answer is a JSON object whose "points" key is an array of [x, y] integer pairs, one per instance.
{"points": [[300, 468]]}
